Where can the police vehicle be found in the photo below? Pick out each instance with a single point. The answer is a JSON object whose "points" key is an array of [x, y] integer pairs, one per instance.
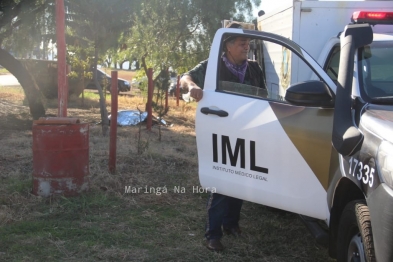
{"points": [[322, 149]]}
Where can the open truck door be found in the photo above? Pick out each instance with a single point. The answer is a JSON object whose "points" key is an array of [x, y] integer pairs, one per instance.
{"points": [[260, 146]]}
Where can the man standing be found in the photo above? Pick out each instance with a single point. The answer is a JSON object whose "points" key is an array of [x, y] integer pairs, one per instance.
{"points": [[235, 67]]}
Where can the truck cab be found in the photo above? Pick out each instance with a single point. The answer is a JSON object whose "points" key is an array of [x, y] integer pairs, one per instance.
{"points": [[322, 148]]}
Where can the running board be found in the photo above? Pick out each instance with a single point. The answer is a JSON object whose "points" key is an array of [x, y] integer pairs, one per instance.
{"points": [[320, 234]]}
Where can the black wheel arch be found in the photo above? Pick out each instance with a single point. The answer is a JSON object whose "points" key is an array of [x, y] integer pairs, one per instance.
{"points": [[346, 191]]}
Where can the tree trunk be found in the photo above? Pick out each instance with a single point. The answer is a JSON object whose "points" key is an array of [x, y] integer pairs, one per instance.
{"points": [[104, 112], [32, 91], [122, 64]]}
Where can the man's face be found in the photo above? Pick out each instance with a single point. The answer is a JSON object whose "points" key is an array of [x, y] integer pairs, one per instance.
{"points": [[238, 50]]}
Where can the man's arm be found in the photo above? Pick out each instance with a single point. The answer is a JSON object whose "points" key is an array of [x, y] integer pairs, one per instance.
{"points": [[187, 83], [193, 80]]}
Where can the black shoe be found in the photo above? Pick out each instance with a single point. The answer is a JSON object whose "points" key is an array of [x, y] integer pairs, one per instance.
{"points": [[214, 245], [234, 231]]}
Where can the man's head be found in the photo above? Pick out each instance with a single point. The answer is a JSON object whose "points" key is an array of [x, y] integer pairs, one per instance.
{"points": [[236, 47]]}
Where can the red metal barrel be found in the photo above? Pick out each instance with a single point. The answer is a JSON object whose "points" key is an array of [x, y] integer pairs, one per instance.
{"points": [[60, 156]]}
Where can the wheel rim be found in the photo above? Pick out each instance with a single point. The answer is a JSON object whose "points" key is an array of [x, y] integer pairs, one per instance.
{"points": [[356, 250]]}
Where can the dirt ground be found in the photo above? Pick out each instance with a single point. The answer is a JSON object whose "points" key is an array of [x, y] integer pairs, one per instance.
{"points": [[16, 129], [107, 223]]}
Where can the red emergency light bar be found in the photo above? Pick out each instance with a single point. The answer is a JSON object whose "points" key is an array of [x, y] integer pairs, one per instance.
{"points": [[372, 17]]}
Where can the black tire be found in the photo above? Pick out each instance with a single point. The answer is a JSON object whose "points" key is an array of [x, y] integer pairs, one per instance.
{"points": [[355, 238]]}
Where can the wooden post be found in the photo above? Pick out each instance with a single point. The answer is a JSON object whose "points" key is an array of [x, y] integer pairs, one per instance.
{"points": [[166, 99], [113, 126], [150, 88], [61, 60], [177, 90]]}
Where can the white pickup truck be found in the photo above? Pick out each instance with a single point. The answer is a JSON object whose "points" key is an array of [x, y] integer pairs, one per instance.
{"points": [[321, 147]]}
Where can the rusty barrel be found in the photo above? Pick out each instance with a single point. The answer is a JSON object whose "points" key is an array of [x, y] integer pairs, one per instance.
{"points": [[60, 156]]}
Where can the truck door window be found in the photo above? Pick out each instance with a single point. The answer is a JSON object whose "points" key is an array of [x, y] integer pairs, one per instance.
{"points": [[272, 69], [237, 75], [376, 69], [333, 61]]}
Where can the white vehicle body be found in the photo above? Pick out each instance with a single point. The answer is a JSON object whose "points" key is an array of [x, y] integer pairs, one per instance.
{"points": [[294, 195], [318, 141], [315, 26]]}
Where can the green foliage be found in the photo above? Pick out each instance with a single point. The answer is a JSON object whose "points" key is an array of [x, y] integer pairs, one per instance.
{"points": [[140, 81], [178, 33], [161, 85], [99, 22], [25, 23], [80, 62]]}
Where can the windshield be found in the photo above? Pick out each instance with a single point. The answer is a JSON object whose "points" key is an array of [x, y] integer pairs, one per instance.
{"points": [[376, 71]]}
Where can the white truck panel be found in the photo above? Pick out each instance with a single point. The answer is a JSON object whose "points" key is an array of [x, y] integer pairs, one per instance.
{"points": [[292, 195], [311, 24]]}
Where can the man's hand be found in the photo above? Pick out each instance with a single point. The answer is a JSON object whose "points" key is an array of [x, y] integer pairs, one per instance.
{"points": [[196, 92]]}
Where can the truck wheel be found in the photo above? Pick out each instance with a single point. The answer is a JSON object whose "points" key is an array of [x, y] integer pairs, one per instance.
{"points": [[355, 238]]}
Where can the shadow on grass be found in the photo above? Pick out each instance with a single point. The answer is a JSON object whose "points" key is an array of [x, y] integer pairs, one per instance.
{"points": [[18, 122], [76, 102]]}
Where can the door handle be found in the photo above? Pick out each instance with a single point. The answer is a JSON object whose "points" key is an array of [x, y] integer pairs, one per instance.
{"points": [[220, 113]]}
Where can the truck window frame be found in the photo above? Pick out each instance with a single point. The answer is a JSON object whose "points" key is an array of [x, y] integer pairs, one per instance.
{"points": [[333, 57]]}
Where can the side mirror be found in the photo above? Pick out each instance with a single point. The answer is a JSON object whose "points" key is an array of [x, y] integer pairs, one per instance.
{"points": [[310, 93]]}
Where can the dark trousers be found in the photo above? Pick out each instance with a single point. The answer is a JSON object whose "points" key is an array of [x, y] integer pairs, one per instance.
{"points": [[221, 211]]}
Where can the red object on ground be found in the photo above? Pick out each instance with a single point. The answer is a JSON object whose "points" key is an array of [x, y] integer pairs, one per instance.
{"points": [[60, 157], [56, 121], [113, 127], [60, 144], [61, 60], [150, 88]]}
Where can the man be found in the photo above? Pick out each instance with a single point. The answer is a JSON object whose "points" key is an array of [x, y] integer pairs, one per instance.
{"points": [[235, 67]]}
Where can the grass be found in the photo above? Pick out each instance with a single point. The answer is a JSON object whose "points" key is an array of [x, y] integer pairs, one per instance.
{"points": [[3, 71], [108, 224]]}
